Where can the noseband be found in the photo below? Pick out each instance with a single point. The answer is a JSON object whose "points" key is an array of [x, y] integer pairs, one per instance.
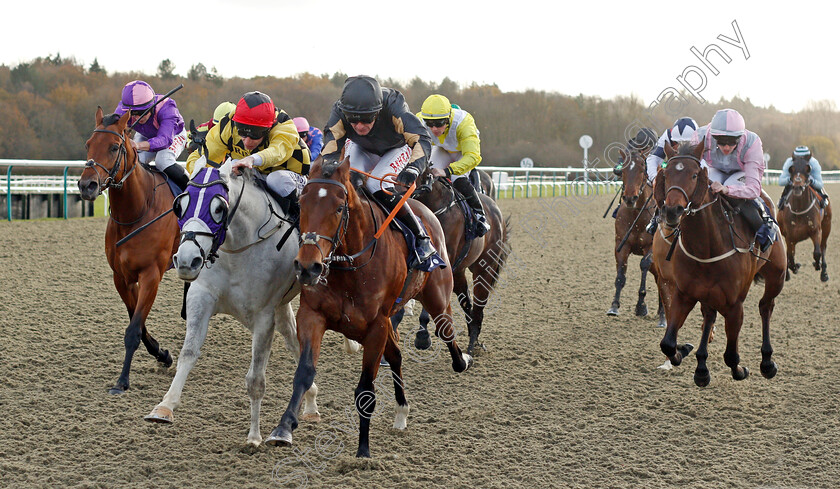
{"points": [[120, 161], [690, 208]]}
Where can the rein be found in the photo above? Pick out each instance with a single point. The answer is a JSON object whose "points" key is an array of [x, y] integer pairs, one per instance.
{"points": [[813, 202]]}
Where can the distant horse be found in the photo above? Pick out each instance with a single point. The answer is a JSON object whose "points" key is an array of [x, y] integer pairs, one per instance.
{"points": [[352, 283], [802, 218], [246, 276], [705, 254], [484, 256], [137, 197], [630, 235]]}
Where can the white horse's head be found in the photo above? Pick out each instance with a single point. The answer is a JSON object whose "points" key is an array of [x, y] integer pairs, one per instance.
{"points": [[202, 212]]}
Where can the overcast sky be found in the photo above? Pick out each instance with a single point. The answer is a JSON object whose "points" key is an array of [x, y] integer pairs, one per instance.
{"points": [[596, 48]]}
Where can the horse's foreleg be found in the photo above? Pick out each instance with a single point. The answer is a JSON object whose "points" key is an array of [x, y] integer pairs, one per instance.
{"points": [[136, 330], [734, 320], [481, 294], [394, 357], [365, 396], [644, 266], [261, 337], [816, 238], [677, 312], [826, 230], [620, 278], [702, 377], [201, 307], [310, 331], [422, 341], [284, 322], [773, 284]]}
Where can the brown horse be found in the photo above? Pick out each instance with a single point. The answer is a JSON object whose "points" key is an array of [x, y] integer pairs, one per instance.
{"points": [[352, 283], [702, 256], [136, 197], [630, 234], [484, 256], [801, 218]]}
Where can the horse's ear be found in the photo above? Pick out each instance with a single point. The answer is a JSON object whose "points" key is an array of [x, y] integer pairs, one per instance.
{"points": [[659, 188], [225, 169], [99, 115], [123, 122], [623, 155], [698, 150]]}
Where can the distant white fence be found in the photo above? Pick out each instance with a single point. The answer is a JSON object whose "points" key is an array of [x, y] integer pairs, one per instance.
{"points": [[510, 181]]}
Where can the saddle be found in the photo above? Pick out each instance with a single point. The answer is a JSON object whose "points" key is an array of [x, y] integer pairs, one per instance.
{"points": [[176, 190]]}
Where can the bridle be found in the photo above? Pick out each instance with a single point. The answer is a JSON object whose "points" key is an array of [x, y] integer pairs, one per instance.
{"points": [[691, 208], [121, 160], [313, 238], [217, 236]]}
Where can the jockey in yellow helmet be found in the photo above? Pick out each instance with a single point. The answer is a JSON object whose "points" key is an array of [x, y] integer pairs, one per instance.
{"points": [[456, 149]]}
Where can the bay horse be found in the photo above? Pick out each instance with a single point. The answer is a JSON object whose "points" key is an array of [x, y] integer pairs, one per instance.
{"points": [[484, 257], [704, 253], [353, 283], [137, 197], [631, 236], [801, 218], [237, 251]]}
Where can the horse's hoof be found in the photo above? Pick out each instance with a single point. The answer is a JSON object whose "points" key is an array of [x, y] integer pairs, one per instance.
{"points": [[787, 275], [311, 417], [740, 373], [464, 365], [769, 369], [160, 414], [816, 266], [702, 379], [613, 311], [641, 310], [685, 349], [117, 390], [824, 277], [422, 341], [279, 438], [167, 359], [662, 324], [363, 453]]}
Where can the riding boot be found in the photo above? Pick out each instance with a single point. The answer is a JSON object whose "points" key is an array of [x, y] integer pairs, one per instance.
{"points": [[422, 242], [179, 175], [615, 212], [783, 198], [464, 186], [759, 221], [651, 227], [823, 196], [291, 207]]}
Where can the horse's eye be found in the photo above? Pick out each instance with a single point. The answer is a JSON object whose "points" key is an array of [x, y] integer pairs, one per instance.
{"points": [[180, 205], [218, 209], [694, 177], [114, 148]]}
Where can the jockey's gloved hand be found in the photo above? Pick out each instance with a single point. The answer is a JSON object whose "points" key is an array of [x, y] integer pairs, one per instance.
{"points": [[408, 175]]}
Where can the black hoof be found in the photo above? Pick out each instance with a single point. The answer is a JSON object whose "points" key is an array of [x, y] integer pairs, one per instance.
{"points": [[702, 379], [422, 341], [824, 277], [117, 390], [740, 373], [816, 266], [685, 349], [279, 438], [787, 275], [613, 311], [641, 310], [769, 369], [363, 453], [165, 359]]}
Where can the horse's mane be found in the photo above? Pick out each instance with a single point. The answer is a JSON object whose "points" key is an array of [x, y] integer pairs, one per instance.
{"points": [[685, 149], [327, 169], [110, 119]]}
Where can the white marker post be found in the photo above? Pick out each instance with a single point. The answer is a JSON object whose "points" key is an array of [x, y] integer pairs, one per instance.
{"points": [[585, 142]]}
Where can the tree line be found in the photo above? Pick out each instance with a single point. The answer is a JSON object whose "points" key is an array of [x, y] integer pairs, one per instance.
{"points": [[49, 106]]}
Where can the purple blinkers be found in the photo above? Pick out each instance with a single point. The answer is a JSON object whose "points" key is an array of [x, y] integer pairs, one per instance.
{"points": [[205, 200]]}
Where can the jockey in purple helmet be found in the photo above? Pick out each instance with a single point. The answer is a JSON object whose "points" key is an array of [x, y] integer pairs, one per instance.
{"points": [[310, 135], [735, 160], [160, 136]]}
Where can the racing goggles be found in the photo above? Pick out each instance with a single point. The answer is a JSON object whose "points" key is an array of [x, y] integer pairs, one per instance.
{"points": [[354, 118], [248, 131], [436, 122], [726, 140]]}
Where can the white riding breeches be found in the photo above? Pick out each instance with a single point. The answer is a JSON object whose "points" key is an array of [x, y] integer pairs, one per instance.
{"points": [[392, 161], [166, 157], [284, 182], [441, 159]]}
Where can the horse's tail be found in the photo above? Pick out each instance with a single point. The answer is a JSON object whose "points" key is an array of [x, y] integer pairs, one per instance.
{"points": [[499, 262]]}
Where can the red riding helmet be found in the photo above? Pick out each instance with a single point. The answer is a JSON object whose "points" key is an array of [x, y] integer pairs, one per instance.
{"points": [[255, 109]]}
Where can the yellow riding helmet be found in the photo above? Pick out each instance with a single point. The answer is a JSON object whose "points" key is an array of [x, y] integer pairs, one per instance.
{"points": [[222, 110], [436, 107]]}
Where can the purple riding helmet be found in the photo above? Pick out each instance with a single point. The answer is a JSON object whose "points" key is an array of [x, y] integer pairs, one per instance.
{"points": [[136, 95], [205, 201]]}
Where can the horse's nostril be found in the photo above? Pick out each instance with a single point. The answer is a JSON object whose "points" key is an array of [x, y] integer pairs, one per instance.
{"points": [[195, 263]]}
